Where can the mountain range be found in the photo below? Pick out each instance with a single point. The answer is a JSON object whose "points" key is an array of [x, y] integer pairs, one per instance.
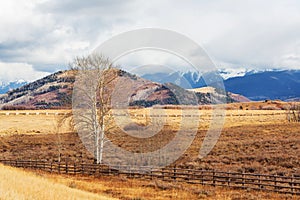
{"points": [[55, 91], [5, 87], [283, 85]]}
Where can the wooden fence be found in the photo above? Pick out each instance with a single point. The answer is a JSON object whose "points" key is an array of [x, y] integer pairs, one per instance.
{"points": [[274, 183], [166, 115]]}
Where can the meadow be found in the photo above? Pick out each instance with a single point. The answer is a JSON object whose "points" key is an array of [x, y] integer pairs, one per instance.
{"points": [[17, 184], [253, 141]]}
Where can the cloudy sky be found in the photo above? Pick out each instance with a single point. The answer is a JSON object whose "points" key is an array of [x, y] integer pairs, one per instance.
{"points": [[42, 36]]}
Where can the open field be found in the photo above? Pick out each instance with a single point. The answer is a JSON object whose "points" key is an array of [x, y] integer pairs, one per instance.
{"points": [[127, 189], [30, 122], [254, 141], [16, 184], [259, 141], [215, 178]]}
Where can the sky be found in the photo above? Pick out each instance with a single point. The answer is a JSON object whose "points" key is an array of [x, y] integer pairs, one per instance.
{"points": [[39, 37]]}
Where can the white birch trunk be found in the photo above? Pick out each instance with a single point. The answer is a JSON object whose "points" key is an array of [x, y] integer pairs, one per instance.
{"points": [[101, 144]]}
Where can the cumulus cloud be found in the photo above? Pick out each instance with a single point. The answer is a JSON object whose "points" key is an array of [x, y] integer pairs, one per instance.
{"points": [[19, 71], [47, 34]]}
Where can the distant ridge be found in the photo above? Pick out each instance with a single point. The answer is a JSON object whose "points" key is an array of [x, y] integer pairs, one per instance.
{"points": [[281, 85], [55, 92], [255, 85], [5, 87]]}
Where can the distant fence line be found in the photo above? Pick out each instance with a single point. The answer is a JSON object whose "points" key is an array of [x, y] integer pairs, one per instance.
{"points": [[143, 115], [273, 183]]}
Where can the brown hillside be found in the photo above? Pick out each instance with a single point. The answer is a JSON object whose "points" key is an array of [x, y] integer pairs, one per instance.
{"points": [[55, 92]]}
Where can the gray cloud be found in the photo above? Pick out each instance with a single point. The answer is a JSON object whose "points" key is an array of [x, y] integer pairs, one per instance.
{"points": [[47, 34], [82, 8]]}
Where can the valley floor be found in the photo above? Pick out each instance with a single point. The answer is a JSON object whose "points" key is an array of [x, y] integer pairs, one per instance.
{"points": [[254, 141], [17, 184]]}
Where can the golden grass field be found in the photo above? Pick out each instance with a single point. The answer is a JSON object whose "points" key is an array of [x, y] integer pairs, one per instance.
{"points": [[24, 122], [28, 123], [17, 184], [256, 141]]}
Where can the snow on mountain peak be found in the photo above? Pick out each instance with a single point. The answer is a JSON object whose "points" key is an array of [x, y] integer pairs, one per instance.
{"points": [[7, 86], [20, 81], [227, 73]]}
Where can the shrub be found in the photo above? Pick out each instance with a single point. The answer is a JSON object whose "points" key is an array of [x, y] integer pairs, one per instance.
{"points": [[14, 107], [293, 114]]}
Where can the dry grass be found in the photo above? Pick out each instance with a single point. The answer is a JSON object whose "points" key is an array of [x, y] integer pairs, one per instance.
{"points": [[30, 123], [257, 142], [133, 189], [260, 143], [16, 184], [266, 148]]}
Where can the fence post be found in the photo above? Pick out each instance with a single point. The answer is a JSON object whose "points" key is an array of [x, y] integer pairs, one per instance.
{"points": [[192, 175], [58, 167], [67, 168], [174, 177], [292, 184], [243, 179], [275, 183], [213, 177], [130, 175], [228, 178]]}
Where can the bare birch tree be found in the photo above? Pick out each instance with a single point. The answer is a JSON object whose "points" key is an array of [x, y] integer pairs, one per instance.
{"points": [[91, 101]]}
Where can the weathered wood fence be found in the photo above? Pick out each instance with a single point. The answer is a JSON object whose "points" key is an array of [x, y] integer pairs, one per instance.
{"points": [[274, 183], [144, 115]]}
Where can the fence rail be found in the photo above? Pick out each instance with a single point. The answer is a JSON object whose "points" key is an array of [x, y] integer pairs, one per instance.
{"points": [[274, 183], [144, 115]]}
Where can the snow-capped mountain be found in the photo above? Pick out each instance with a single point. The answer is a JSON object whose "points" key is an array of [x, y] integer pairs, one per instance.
{"points": [[283, 85], [187, 80], [55, 91], [191, 79], [227, 73], [253, 84], [5, 87]]}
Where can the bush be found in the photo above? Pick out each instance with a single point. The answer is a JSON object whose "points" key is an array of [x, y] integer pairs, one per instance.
{"points": [[13, 107], [293, 114]]}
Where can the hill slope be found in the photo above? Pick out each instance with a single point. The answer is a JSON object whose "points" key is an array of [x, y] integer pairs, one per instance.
{"points": [[283, 85], [55, 91]]}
